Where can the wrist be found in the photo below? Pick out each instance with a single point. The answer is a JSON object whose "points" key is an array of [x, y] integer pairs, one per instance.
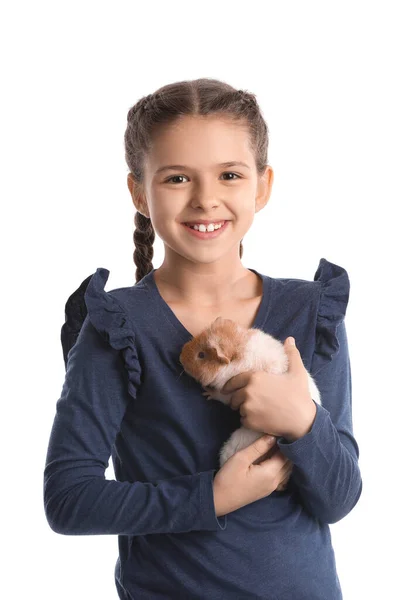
{"points": [[304, 425], [218, 500]]}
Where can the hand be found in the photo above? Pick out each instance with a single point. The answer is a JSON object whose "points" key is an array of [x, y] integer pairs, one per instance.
{"points": [[280, 405], [249, 475]]}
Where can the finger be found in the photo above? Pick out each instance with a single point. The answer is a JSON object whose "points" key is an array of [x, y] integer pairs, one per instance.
{"points": [[236, 382], [270, 452], [286, 471], [287, 466], [279, 461], [237, 399], [295, 361], [283, 478]]}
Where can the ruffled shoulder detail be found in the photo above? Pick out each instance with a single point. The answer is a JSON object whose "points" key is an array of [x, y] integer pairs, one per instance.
{"points": [[105, 313], [107, 317], [75, 314], [113, 324], [333, 300]]}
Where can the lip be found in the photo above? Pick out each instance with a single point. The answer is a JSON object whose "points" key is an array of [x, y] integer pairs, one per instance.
{"points": [[206, 235]]}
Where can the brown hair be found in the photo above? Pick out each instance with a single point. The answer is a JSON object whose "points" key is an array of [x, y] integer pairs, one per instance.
{"points": [[203, 96]]}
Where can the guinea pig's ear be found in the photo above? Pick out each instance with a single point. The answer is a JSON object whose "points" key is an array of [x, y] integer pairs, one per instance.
{"points": [[216, 322], [224, 321], [219, 355], [222, 358]]}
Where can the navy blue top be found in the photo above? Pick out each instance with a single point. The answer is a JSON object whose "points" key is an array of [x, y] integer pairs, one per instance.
{"points": [[125, 395]]}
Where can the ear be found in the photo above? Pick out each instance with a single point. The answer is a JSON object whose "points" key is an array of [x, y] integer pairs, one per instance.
{"points": [[264, 188], [220, 320], [138, 197], [216, 322], [222, 358], [219, 355]]}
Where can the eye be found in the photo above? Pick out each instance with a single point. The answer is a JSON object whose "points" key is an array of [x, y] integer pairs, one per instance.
{"points": [[201, 355], [173, 177], [230, 173], [226, 173]]}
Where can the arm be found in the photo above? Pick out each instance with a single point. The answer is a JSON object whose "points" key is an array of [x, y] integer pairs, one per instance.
{"points": [[326, 471], [78, 500]]}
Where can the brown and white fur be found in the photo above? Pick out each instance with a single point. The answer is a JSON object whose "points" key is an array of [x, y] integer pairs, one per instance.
{"points": [[225, 349]]}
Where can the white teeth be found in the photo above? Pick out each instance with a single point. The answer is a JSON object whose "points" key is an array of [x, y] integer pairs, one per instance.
{"points": [[203, 228]]}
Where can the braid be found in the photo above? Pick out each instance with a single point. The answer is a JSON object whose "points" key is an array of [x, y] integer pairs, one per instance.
{"points": [[147, 102], [143, 239], [246, 100], [150, 102]]}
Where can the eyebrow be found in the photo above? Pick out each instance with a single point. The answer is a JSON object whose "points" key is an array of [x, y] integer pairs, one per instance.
{"points": [[232, 163]]}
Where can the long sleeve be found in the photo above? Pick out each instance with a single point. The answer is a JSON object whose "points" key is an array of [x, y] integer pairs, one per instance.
{"points": [[102, 375], [326, 472]]}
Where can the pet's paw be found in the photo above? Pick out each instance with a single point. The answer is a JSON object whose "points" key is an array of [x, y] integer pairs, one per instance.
{"points": [[208, 394], [217, 395]]}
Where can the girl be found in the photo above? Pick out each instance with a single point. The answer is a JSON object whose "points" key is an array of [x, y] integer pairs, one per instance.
{"points": [[197, 154]]}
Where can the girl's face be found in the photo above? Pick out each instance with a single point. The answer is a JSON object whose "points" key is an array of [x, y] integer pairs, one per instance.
{"points": [[202, 188]]}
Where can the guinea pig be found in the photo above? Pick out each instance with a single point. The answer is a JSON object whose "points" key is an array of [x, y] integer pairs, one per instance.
{"points": [[225, 349]]}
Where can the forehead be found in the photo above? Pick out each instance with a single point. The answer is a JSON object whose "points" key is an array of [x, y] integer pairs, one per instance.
{"points": [[200, 143]]}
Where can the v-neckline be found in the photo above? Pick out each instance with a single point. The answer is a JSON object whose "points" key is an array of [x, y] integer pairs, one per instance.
{"points": [[259, 320]]}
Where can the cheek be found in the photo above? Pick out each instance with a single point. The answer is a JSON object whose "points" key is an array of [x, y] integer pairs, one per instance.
{"points": [[243, 206], [160, 227], [167, 212], [245, 218], [165, 205], [249, 218], [165, 224]]}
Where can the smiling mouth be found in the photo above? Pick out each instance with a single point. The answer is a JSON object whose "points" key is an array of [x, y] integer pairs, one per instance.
{"points": [[203, 233], [217, 223]]}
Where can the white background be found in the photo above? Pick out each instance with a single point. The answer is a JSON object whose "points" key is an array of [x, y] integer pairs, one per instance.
{"points": [[326, 76]]}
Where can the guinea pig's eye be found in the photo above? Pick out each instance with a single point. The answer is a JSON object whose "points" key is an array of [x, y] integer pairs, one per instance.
{"points": [[201, 355]]}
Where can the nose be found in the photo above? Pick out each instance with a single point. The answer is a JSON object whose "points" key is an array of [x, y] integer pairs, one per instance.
{"points": [[204, 197], [207, 204]]}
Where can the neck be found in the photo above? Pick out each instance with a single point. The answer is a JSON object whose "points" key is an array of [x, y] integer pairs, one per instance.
{"points": [[204, 284]]}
